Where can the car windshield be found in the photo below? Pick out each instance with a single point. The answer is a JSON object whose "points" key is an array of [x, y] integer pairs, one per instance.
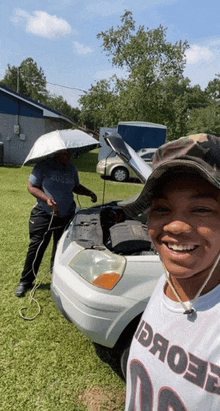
{"points": [[113, 155], [147, 156]]}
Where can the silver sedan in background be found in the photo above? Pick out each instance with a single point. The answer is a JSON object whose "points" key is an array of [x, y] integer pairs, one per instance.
{"points": [[118, 170]]}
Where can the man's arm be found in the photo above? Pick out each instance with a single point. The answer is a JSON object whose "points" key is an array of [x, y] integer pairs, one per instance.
{"points": [[82, 190], [40, 194]]}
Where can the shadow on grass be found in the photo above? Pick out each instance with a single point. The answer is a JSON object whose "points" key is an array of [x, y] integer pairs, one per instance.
{"points": [[111, 356], [44, 286]]}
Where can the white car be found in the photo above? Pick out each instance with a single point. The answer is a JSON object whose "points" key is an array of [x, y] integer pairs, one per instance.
{"points": [[116, 168], [105, 270]]}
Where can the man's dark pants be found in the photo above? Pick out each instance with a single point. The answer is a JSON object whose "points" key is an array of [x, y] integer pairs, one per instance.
{"points": [[42, 226]]}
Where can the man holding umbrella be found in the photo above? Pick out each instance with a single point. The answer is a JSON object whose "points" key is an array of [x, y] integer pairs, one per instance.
{"points": [[52, 182]]}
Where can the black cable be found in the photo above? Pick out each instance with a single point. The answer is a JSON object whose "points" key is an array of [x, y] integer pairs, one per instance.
{"points": [[104, 185]]}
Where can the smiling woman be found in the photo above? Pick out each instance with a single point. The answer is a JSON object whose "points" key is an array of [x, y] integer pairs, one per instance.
{"points": [[184, 225], [182, 200]]}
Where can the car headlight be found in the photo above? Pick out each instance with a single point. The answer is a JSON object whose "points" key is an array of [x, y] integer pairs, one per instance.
{"points": [[101, 166], [100, 268]]}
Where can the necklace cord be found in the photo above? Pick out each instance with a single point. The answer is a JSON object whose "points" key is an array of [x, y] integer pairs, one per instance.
{"points": [[189, 310]]}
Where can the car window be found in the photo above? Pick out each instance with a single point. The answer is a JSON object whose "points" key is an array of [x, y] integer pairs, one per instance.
{"points": [[147, 156]]}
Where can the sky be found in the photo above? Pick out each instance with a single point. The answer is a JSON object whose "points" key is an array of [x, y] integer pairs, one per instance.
{"points": [[61, 37]]}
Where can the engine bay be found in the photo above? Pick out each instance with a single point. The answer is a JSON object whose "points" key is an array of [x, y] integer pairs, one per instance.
{"points": [[108, 226]]}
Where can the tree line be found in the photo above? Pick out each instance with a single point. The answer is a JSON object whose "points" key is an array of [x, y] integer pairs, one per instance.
{"points": [[153, 88]]}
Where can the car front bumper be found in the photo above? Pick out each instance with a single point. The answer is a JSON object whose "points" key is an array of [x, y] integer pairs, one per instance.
{"points": [[99, 314]]}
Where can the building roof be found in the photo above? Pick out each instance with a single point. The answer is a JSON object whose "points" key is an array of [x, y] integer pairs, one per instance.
{"points": [[46, 111]]}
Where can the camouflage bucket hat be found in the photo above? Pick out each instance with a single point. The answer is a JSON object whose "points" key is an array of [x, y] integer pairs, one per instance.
{"points": [[199, 153]]}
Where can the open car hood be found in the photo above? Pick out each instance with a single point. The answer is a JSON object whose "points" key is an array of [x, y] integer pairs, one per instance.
{"points": [[127, 154]]}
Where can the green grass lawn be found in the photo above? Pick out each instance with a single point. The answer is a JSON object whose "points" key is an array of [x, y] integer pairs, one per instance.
{"points": [[48, 364]]}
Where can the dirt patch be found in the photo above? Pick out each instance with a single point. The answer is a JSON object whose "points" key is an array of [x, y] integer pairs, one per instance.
{"points": [[98, 399]]}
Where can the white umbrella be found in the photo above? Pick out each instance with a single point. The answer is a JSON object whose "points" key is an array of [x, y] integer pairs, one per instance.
{"points": [[49, 144]]}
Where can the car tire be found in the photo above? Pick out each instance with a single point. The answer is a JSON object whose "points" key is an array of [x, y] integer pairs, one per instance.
{"points": [[120, 174], [124, 357]]}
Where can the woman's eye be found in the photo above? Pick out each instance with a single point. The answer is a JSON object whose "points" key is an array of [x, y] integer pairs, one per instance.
{"points": [[202, 210], [161, 209]]}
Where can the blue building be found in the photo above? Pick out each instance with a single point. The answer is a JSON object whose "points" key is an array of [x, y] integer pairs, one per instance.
{"points": [[22, 121]]}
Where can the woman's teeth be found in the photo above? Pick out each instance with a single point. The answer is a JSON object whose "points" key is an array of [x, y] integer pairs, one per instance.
{"points": [[181, 247]]}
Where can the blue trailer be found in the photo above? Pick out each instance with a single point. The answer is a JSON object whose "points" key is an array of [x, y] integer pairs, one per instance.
{"points": [[139, 134]]}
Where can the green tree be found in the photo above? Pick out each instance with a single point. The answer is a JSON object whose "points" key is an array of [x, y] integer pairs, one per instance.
{"points": [[204, 116], [178, 99], [150, 63], [34, 79], [205, 120], [99, 106], [28, 79], [12, 79], [146, 55], [213, 89]]}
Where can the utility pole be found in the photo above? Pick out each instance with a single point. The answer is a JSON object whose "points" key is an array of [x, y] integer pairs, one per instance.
{"points": [[18, 77]]}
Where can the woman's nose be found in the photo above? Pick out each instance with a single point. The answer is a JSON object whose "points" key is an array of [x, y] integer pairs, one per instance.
{"points": [[178, 227]]}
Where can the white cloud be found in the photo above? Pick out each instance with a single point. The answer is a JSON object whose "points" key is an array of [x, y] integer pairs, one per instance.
{"points": [[203, 61], [81, 49], [197, 53], [42, 24]]}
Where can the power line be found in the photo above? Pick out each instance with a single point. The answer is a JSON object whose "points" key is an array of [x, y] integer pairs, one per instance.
{"points": [[53, 84], [71, 88]]}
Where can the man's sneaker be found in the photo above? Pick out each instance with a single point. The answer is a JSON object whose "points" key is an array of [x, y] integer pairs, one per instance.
{"points": [[22, 288]]}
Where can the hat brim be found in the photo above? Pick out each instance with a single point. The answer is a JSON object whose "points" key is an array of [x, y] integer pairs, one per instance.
{"points": [[138, 207]]}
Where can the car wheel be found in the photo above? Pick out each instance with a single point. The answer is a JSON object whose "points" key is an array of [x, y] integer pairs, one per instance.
{"points": [[120, 174], [124, 357]]}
